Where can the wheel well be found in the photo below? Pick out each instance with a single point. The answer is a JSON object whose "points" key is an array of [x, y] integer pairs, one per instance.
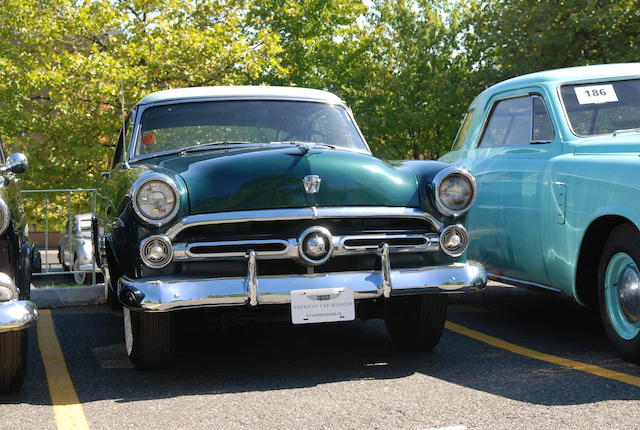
{"points": [[589, 257]]}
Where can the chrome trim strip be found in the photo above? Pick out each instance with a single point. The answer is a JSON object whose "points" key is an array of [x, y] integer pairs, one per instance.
{"points": [[521, 283], [309, 213], [17, 315], [171, 293], [186, 249]]}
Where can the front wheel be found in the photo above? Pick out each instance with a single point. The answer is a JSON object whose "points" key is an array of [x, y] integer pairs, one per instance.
{"points": [[13, 360], [80, 278], [148, 338], [416, 322], [619, 290]]}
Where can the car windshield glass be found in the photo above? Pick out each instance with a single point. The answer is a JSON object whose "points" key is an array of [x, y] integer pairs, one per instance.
{"points": [[181, 125], [603, 107]]}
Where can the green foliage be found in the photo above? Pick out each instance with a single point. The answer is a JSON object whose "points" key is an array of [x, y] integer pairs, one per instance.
{"points": [[408, 68]]}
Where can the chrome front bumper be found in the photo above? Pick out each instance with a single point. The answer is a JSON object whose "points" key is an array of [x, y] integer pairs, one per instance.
{"points": [[17, 315], [172, 293]]}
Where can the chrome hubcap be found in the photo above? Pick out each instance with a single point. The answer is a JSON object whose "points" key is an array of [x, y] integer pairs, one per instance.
{"points": [[629, 294]]}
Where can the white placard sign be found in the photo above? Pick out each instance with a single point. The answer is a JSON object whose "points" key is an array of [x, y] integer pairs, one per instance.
{"points": [[596, 94], [325, 305]]}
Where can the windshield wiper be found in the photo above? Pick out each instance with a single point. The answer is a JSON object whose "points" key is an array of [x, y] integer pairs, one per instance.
{"points": [[202, 147], [210, 145]]}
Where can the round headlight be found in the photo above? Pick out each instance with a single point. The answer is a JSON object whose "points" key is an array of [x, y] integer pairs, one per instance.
{"points": [[155, 198], [454, 191]]}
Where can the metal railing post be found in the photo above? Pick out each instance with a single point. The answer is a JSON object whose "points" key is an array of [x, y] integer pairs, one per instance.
{"points": [[93, 260], [46, 231]]}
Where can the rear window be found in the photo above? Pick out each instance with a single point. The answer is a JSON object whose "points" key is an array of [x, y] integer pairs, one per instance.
{"points": [[602, 107]]}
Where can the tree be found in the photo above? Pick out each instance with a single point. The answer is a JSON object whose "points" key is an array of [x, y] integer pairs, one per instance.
{"points": [[63, 64]]}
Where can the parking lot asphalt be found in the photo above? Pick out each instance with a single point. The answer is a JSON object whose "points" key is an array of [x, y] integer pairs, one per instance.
{"points": [[510, 359]]}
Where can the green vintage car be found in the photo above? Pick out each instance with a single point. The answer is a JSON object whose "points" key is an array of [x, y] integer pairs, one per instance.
{"points": [[258, 203]]}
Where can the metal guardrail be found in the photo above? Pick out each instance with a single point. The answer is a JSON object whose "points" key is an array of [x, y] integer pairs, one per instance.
{"points": [[69, 192]]}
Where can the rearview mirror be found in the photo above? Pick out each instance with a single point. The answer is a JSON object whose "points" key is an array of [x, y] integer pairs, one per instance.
{"points": [[17, 162]]}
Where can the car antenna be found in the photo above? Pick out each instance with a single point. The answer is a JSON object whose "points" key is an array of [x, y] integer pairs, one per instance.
{"points": [[125, 164]]}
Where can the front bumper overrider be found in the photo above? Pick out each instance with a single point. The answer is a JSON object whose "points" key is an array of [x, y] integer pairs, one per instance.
{"points": [[173, 293]]}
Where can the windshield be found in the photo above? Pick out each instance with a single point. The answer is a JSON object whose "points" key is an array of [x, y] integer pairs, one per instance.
{"points": [[181, 125], [602, 108]]}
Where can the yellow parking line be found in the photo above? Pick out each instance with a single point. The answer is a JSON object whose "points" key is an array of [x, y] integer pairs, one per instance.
{"points": [[565, 362], [67, 408]]}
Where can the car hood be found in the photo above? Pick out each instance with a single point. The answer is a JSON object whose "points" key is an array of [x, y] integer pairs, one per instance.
{"points": [[265, 177]]}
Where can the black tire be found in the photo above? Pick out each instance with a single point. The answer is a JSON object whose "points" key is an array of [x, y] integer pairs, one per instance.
{"points": [[111, 275], [65, 268], [13, 359], [623, 239], [416, 322], [148, 338], [24, 272]]}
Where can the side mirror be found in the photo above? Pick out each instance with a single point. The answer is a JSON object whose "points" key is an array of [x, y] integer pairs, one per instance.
{"points": [[17, 162]]}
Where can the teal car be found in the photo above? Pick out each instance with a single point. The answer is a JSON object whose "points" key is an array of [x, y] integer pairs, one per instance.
{"points": [[234, 204], [555, 155]]}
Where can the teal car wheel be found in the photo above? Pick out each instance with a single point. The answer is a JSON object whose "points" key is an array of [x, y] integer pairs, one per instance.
{"points": [[619, 285]]}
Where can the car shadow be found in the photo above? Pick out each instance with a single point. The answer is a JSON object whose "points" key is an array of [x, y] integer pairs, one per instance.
{"points": [[274, 356]]}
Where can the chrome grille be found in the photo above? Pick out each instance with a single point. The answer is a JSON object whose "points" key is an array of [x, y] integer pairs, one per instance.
{"points": [[274, 234]]}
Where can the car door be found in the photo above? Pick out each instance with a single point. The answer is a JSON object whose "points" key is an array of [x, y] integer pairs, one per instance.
{"points": [[508, 161]]}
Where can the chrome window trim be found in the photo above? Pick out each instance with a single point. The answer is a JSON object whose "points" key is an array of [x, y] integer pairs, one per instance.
{"points": [[307, 213], [148, 177], [437, 180], [141, 108], [536, 93]]}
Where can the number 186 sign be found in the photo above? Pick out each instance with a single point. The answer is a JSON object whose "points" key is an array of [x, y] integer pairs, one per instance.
{"points": [[596, 94]]}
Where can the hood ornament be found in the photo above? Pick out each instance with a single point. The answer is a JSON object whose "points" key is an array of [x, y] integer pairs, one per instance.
{"points": [[311, 183]]}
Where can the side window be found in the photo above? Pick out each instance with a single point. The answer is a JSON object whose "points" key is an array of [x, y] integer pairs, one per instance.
{"points": [[463, 130], [518, 121], [542, 128]]}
